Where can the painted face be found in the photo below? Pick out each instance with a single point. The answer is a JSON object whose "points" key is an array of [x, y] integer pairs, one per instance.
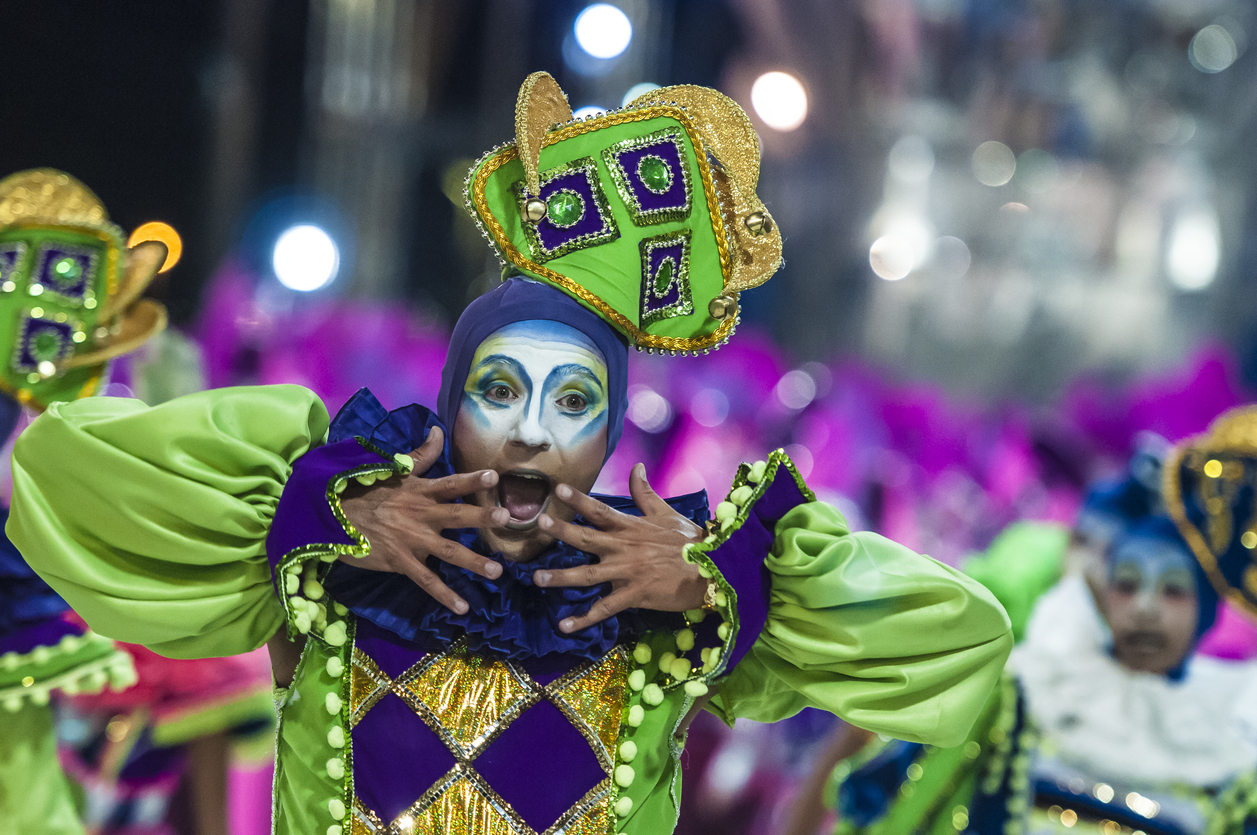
{"points": [[534, 409], [1150, 604]]}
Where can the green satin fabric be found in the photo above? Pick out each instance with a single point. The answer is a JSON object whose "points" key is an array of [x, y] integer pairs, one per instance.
{"points": [[889, 640], [1023, 562], [152, 522], [34, 793]]}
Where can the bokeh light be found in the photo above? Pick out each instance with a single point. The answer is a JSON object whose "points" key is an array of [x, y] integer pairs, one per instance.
{"points": [[951, 257], [911, 159], [637, 90], [891, 258], [156, 230], [796, 389], [1212, 49], [648, 409], [780, 100], [993, 163], [1195, 248], [709, 407], [603, 30], [305, 258]]}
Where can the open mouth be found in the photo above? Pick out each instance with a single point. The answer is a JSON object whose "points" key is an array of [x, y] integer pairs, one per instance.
{"points": [[1144, 642], [524, 493]]}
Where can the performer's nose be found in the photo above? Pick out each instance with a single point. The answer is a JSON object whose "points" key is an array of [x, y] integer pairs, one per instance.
{"points": [[528, 430]]}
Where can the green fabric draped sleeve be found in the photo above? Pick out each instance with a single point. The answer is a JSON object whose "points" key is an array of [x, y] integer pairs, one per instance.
{"points": [[152, 522], [865, 628]]}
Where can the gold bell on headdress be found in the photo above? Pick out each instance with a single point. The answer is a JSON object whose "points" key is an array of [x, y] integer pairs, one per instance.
{"points": [[757, 222], [533, 209], [722, 307]]}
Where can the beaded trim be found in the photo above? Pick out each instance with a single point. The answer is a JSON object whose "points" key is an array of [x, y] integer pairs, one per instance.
{"points": [[613, 157], [492, 230], [606, 231], [679, 283], [11, 255], [115, 669], [308, 609]]}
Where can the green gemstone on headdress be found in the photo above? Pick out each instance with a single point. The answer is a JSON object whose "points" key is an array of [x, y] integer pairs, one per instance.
{"points": [[663, 278], [46, 345], [564, 208], [67, 269], [655, 174]]}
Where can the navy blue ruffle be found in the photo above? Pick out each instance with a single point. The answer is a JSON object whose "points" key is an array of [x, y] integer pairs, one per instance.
{"points": [[25, 599], [508, 616]]}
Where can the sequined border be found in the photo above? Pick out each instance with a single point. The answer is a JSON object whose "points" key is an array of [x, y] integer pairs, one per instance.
{"points": [[606, 233], [640, 215], [434, 722], [18, 250], [554, 692], [478, 204], [383, 685], [88, 299], [59, 319], [684, 304]]}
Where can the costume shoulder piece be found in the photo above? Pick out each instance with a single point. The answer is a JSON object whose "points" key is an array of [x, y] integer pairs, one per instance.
{"points": [[1210, 486], [646, 215], [69, 288]]}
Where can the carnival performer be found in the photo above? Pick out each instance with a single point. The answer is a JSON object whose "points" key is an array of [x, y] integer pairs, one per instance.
{"points": [[69, 296], [467, 640], [1075, 665]]}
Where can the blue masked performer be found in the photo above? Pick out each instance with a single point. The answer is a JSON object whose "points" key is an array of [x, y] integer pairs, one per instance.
{"points": [[468, 642], [69, 303]]}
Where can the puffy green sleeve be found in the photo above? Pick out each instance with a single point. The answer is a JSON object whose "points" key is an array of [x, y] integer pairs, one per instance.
{"points": [[858, 625], [152, 521]]}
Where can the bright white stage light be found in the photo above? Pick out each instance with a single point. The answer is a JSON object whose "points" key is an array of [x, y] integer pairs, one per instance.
{"points": [[1194, 250], [1212, 49], [637, 90], [780, 100], [603, 30], [589, 111], [305, 258]]}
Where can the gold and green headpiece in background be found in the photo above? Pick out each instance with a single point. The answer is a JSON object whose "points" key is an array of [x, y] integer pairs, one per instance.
{"points": [[69, 288], [646, 215], [1210, 487]]}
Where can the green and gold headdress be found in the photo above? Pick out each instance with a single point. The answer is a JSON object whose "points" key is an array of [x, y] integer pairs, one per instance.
{"points": [[1210, 487], [69, 288], [646, 215]]}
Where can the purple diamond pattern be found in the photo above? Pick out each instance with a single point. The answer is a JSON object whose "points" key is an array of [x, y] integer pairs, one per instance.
{"points": [[396, 757], [26, 359], [540, 795], [653, 207], [75, 290]]}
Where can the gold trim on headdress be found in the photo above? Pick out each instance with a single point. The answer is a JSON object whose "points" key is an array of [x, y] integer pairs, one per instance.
{"points": [[541, 105]]}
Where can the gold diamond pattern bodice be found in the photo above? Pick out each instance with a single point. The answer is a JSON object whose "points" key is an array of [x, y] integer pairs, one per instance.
{"points": [[468, 701]]}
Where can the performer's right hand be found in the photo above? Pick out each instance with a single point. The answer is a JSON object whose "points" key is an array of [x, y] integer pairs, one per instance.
{"points": [[402, 519]]}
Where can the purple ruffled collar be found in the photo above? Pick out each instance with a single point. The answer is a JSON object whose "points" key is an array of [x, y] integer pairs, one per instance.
{"points": [[508, 616]]}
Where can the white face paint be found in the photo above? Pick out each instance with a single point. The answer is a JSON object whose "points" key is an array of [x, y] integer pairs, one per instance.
{"points": [[535, 409]]}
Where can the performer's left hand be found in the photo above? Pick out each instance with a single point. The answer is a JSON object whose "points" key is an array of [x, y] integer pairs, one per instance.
{"points": [[640, 556]]}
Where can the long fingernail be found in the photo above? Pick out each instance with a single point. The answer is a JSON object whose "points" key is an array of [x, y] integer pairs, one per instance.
{"points": [[460, 606], [541, 578], [544, 522], [639, 470], [563, 491], [492, 570], [500, 516], [567, 625]]}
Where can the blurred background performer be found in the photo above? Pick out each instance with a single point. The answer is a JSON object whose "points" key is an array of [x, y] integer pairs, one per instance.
{"points": [[69, 303], [510, 681]]}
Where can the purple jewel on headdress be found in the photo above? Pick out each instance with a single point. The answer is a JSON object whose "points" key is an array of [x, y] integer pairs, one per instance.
{"points": [[576, 212], [66, 271], [42, 340], [656, 179], [665, 277]]}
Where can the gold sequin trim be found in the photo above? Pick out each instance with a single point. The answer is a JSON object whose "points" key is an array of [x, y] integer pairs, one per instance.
{"points": [[593, 702], [466, 698], [509, 251], [367, 685]]}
